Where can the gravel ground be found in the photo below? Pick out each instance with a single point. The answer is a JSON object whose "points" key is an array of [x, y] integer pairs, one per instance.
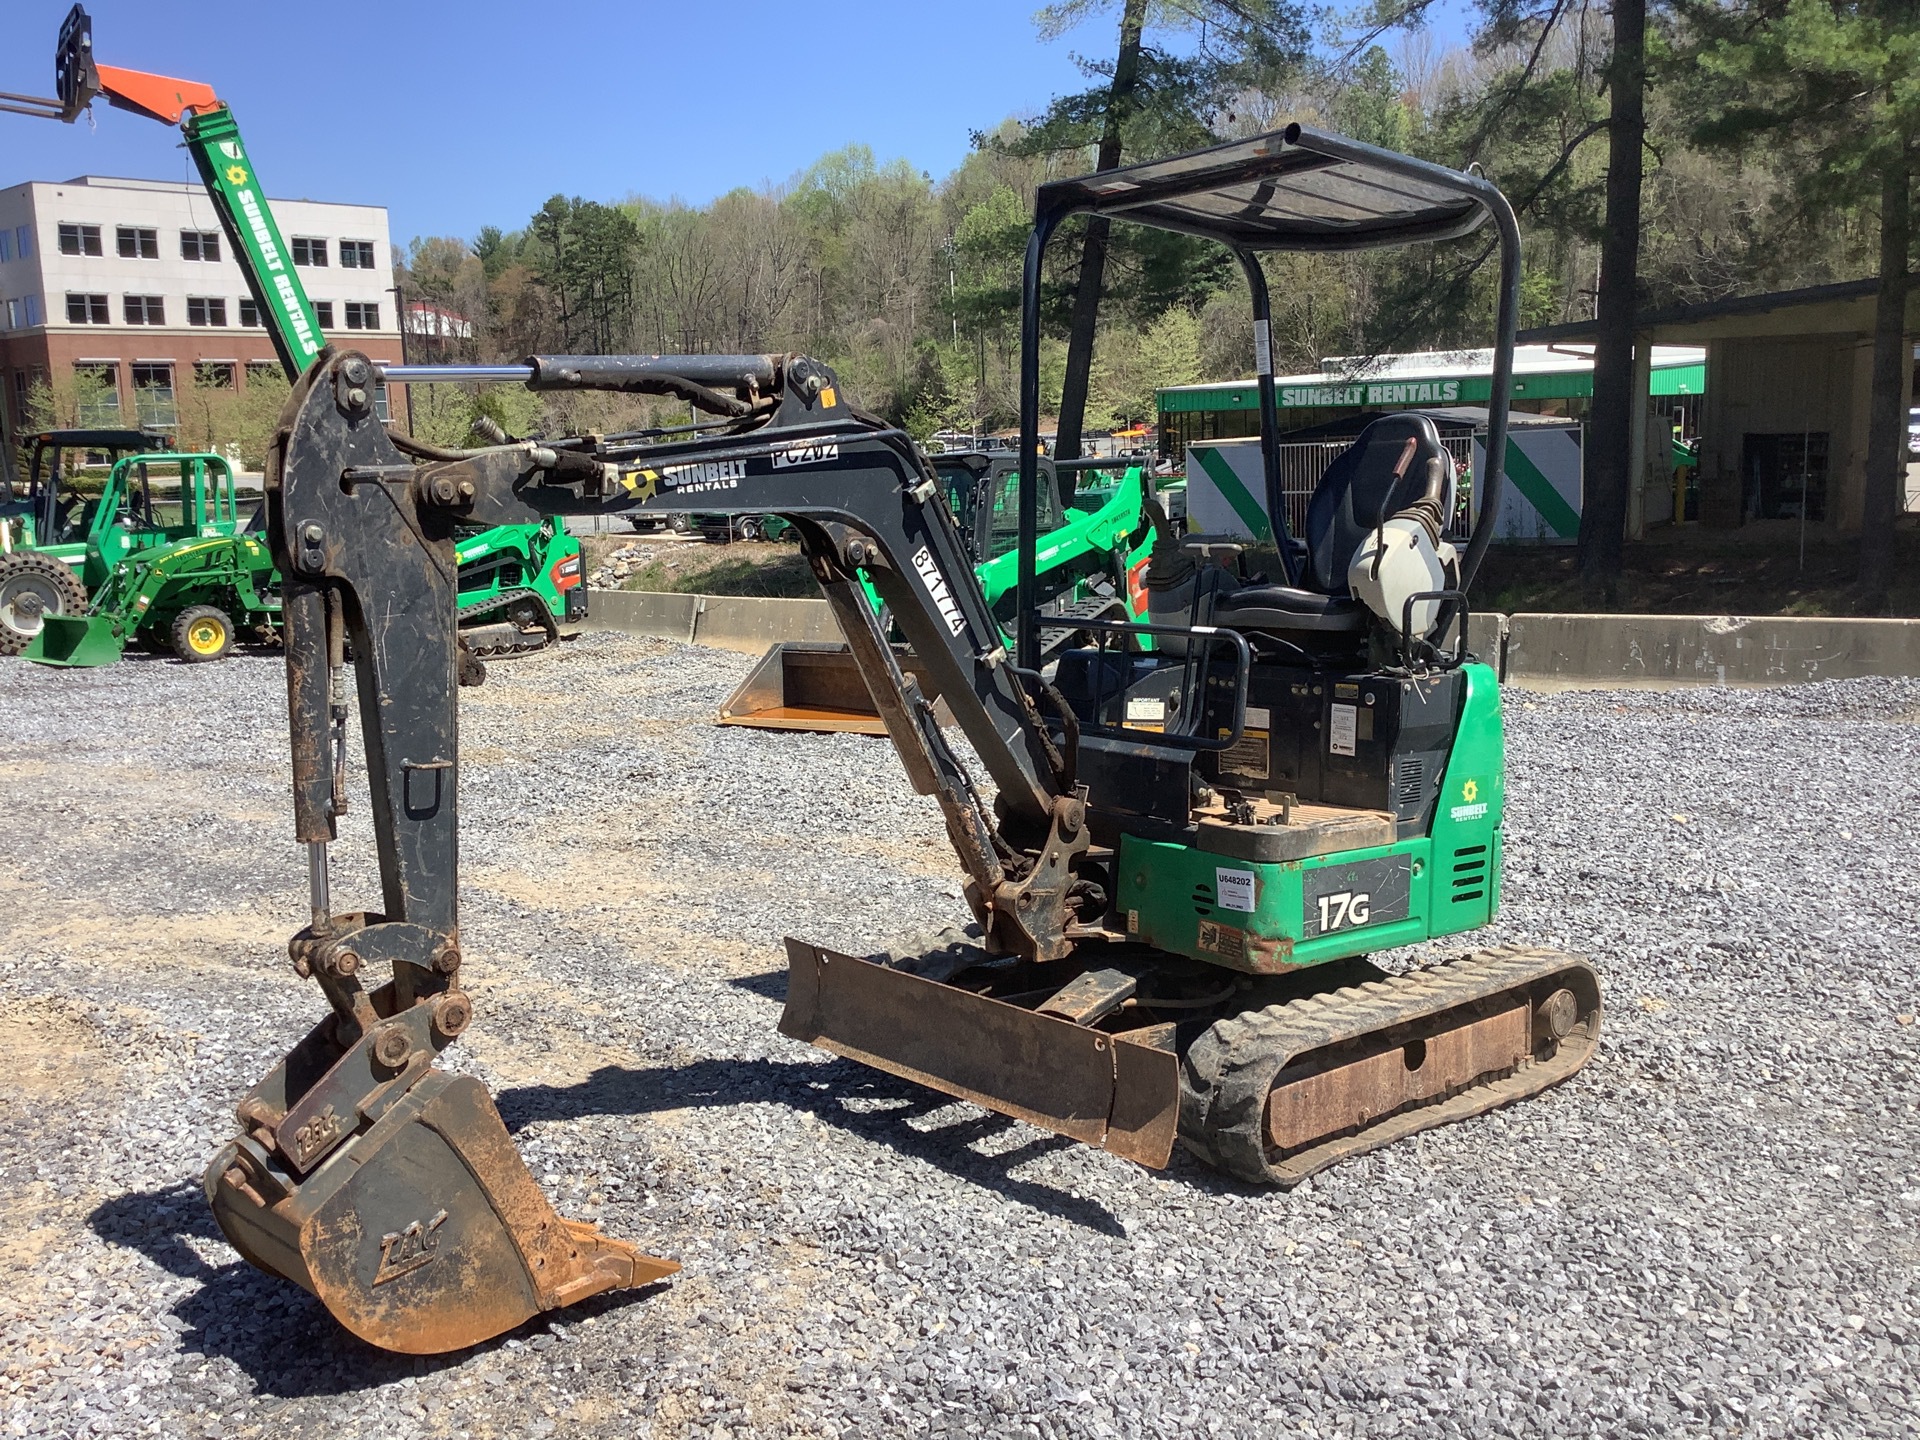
{"points": [[1709, 1231]]}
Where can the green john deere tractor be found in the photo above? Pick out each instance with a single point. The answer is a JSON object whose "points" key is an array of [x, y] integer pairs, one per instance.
{"points": [[197, 597], [92, 498]]}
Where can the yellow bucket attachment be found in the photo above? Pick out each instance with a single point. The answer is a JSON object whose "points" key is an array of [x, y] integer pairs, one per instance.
{"points": [[811, 685], [391, 1191]]}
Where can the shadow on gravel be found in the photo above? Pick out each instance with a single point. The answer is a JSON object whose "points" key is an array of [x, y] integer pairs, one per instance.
{"points": [[271, 1328], [770, 986], [824, 1091]]}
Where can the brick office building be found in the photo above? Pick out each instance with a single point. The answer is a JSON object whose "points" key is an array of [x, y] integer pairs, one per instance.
{"points": [[134, 281]]}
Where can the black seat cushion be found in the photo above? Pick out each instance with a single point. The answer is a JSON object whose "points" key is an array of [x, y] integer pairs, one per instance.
{"points": [[1384, 472], [1282, 607]]}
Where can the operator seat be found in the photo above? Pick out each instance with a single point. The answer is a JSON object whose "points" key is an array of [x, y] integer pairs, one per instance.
{"points": [[1384, 472]]}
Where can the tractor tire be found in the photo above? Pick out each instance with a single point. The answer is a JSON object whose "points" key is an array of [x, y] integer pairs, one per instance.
{"points": [[679, 524], [33, 586], [201, 633], [752, 528]]}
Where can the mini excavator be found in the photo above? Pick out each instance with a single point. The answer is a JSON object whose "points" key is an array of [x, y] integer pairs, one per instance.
{"points": [[1188, 852]]}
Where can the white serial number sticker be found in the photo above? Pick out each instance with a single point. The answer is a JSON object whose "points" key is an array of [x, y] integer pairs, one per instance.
{"points": [[1235, 889]]}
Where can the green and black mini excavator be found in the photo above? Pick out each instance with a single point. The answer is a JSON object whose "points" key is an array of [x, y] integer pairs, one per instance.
{"points": [[1187, 852]]}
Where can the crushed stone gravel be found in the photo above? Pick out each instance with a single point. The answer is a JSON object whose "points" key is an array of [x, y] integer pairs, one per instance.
{"points": [[1711, 1231]]}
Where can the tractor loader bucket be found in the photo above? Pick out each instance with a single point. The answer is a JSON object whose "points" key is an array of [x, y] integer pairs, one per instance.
{"points": [[813, 685], [1118, 1091], [76, 641], [398, 1200]]}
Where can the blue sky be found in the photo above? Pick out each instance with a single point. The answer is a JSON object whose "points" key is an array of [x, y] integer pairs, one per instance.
{"points": [[459, 115]]}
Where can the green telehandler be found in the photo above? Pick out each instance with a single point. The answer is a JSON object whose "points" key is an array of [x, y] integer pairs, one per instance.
{"points": [[510, 559]]}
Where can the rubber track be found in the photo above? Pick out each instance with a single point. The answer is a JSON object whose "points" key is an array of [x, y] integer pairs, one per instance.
{"points": [[501, 602], [1229, 1070]]}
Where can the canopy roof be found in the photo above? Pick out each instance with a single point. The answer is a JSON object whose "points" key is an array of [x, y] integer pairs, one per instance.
{"points": [[1291, 189]]}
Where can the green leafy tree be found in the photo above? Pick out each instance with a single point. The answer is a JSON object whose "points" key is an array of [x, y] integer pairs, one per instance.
{"points": [[1837, 85], [1152, 101]]}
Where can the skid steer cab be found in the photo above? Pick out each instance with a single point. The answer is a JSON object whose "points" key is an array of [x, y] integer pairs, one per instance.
{"points": [[1203, 823]]}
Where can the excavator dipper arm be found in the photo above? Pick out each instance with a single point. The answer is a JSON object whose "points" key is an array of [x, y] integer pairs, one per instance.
{"points": [[384, 1185]]}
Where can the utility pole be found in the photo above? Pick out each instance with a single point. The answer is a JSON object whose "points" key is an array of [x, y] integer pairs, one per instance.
{"points": [[400, 316]]}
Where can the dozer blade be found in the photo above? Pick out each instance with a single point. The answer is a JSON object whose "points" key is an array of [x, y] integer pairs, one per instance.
{"points": [[1120, 1093], [402, 1205], [76, 641], [811, 685]]}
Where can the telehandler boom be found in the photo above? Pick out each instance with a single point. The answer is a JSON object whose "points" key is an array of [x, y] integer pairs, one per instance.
{"points": [[1189, 854]]}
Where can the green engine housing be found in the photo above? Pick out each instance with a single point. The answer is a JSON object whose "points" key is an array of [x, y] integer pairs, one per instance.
{"points": [[1436, 809]]}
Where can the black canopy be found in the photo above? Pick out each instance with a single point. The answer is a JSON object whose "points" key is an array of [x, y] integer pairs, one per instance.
{"points": [[1291, 189]]}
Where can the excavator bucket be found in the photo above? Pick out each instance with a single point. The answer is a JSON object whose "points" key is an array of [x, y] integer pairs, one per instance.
{"points": [[75, 641], [399, 1200], [812, 685]]}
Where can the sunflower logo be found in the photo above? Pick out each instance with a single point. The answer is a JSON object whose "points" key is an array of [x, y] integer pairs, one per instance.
{"points": [[1470, 791], [236, 174]]}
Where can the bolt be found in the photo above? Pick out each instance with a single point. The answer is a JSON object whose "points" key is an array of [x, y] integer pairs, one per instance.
{"points": [[452, 1015], [356, 398], [356, 371], [346, 962], [312, 533], [392, 1047], [255, 1111], [856, 552], [466, 489], [444, 492], [446, 960]]}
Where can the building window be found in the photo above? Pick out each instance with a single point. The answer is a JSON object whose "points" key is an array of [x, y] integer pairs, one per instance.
{"points": [[153, 396], [145, 310], [323, 312], [199, 244], [98, 389], [356, 255], [23, 241], [309, 252], [381, 411], [214, 375], [363, 315], [250, 314], [264, 370], [80, 240], [138, 244], [86, 309], [6, 246], [206, 312]]}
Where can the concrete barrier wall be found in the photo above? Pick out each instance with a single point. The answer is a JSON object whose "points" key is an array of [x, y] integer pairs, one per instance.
{"points": [[1706, 649], [1542, 649], [727, 622]]}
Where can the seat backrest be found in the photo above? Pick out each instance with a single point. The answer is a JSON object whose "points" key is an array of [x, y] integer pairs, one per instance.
{"points": [[1384, 472]]}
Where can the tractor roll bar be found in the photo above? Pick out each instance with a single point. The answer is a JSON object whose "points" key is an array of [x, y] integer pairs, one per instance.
{"points": [[1292, 189]]}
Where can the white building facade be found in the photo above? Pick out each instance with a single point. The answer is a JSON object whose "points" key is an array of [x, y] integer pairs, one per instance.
{"points": [[133, 282]]}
